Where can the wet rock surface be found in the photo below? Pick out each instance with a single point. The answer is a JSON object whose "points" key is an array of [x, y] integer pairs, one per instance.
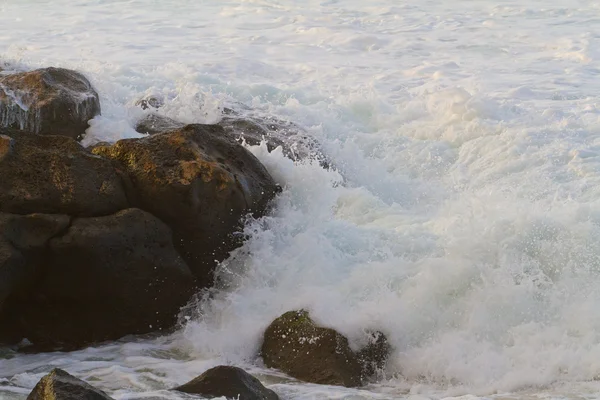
{"points": [[297, 346], [47, 101], [201, 183], [55, 175]]}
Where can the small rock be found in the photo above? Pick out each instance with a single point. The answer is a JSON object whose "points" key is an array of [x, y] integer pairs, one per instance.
{"points": [[49, 101], [59, 385], [229, 382], [150, 102], [373, 356], [294, 344], [154, 124]]}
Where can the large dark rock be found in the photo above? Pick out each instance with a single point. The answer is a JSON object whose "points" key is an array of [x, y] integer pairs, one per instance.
{"points": [[104, 278], [53, 101], [201, 183], [294, 142], [294, 344], [229, 382], [23, 240], [55, 175], [59, 385]]}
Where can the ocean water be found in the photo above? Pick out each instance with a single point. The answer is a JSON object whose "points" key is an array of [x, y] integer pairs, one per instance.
{"points": [[462, 217]]}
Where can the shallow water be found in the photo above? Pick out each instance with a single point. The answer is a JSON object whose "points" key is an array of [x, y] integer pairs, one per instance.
{"points": [[463, 216]]}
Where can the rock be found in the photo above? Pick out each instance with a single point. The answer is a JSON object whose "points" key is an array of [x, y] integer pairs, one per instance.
{"points": [[294, 344], [104, 278], [201, 183], [59, 385], [154, 124], [55, 175], [373, 356], [49, 101], [150, 101], [229, 382], [295, 143], [23, 239]]}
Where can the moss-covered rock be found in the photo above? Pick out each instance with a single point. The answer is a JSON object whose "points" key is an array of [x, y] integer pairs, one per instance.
{"points": [[296, 345], [55, 175], [201, 183], [60, 385]]}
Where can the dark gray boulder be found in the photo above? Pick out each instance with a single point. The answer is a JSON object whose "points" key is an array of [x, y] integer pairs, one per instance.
{"points": [[230, 382], [101, 279]]}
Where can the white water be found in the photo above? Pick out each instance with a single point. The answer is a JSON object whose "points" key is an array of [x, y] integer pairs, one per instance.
{"points": [[464, 217]]}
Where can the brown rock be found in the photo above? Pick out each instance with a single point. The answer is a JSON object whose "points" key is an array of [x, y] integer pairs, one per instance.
{"points": [[49, 101], [201, 183], [104, 278], [55, 175], [294, 344], [228, 382], [59, 385]]}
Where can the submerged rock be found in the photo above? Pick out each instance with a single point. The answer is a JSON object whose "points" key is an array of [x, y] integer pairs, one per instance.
{"points": [[294, 142], [294, 344], [46, 101], [101, 279], [200, 182], [373, 356], [229, 382], [55, 175], [60, 385], [154, 124]]}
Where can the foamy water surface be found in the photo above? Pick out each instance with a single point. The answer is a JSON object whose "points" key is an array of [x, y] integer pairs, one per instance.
{"points": [[462, 218]]}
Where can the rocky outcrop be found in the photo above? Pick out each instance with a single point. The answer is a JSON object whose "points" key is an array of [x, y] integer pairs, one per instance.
{"points": [[100, 279], [228, 382], [60, 385], [296, 345], [201, 183], [46, 101], [55, 175]]}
